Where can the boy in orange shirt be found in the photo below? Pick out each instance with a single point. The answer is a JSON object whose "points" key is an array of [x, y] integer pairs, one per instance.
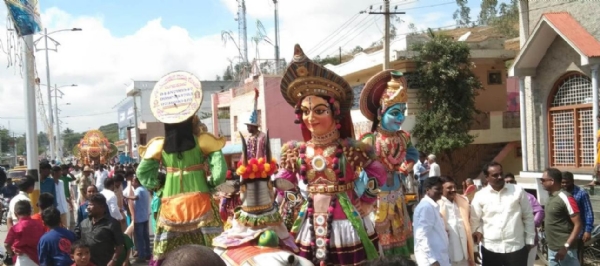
{"points": [[45, 201]]}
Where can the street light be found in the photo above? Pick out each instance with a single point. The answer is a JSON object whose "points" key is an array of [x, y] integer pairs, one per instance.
{"points": [[58, 137], [56, 44]]}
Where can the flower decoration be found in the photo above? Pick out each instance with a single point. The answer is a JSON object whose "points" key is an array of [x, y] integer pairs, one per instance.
{"points": [[257, 168]]}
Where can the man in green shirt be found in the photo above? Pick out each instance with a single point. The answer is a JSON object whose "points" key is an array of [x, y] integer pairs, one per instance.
{"points": [[67, 177], [562, 223]]}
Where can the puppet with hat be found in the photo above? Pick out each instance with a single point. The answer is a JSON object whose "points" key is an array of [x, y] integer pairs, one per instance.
{"points": [[383, 101], [194, 164], [334, 220], [256, 139]]}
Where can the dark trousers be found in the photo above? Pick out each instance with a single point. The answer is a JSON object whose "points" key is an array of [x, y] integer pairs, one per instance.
{"points": [[517, 258], [141, 236]]}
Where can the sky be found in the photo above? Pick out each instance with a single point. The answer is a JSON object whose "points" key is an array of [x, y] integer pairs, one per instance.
{"points": [[126, 40]]}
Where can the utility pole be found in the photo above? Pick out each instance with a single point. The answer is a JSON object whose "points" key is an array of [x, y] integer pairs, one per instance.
{"points": [[386, 37], [31, 130], [243, 29], [277, 63], [134, 152], [50, 120], [58, 145]]}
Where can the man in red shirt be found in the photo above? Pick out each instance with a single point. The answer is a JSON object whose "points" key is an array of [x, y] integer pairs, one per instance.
{"points": [[23, 237]]}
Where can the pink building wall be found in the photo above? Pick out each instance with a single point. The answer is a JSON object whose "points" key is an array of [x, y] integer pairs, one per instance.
{"points": [[279, 114]]}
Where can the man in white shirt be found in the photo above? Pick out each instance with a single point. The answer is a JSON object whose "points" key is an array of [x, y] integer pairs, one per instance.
{"points": [[101, 175], [431, 238], [434, 168], [111, 199], [25, 186], [502, 217], [455, 210], [61, 199]]}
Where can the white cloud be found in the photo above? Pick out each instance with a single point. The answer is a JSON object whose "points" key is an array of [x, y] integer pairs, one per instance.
{"points": [[101, 64]]}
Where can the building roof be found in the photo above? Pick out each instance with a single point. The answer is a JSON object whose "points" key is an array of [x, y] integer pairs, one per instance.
{"points": [[513, 44], [575, 33], [551, 25], [477, 34]]}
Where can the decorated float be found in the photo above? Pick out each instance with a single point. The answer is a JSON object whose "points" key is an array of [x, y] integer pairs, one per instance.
{"points": [[94, 149]]}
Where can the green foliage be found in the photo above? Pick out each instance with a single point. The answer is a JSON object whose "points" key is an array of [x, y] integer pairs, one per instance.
{"points": [[327, 60], [508, 19], [488, 11], [463, 14], [110, 131], [446, 92], [228, 74], [204, 115], [70, 139]]}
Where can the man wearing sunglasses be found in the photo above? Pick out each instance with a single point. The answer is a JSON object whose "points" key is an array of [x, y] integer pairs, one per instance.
{"points": [[502, 219], [562, 224]]}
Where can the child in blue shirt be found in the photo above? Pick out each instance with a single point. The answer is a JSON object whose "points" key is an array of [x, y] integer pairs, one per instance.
{"points": [[54, 247]]}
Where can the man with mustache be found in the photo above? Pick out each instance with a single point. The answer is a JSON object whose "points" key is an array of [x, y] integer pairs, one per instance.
{"points": [[455, 211]]}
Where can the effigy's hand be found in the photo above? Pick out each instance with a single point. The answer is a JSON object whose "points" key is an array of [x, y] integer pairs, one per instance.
{"points": [[364, 208]]}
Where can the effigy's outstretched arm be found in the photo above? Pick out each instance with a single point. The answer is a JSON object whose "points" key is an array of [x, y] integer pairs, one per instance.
{"points": [[218, 169], [151, 154]]}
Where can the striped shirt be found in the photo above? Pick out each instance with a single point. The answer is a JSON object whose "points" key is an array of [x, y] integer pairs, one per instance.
{"points": [[561, 206]]}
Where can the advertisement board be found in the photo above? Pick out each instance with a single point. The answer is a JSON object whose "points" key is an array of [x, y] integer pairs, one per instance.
{"points": [[126, 114]]}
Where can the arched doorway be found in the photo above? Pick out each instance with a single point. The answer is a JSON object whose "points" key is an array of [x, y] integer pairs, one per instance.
{"points": [[570, 122]]}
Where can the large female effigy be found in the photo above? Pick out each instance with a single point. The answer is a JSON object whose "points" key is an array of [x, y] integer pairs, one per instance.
{"points": [[333, 227]]}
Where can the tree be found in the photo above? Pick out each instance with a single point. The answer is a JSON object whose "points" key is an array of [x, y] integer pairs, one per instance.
{"points": [[447, 90], [327, 60], [488, 12], [462, 14], [507, 21], [357, 49], [204, 115], [228, 74], [218, 78]]}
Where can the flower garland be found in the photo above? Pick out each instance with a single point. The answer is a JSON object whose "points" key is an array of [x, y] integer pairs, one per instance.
{"points": [[257, 168]]}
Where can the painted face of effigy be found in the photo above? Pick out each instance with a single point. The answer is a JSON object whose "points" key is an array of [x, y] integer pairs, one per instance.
{"points": [[317, 115], [393, 117]]}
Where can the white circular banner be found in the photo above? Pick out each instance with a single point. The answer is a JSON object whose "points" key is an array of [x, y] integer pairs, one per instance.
{"points": [[176, 97]]}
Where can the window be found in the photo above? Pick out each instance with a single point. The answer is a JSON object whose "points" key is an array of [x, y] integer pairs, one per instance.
{"points": [[570, 122], [495, 77]]}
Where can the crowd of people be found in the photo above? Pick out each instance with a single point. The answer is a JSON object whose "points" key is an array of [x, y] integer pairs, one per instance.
{"points": [[499, 225], [86, 217]]}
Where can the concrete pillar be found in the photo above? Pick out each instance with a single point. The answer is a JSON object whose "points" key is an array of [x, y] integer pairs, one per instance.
{"points": [[595, 106], [523, 117], [523, 22]]}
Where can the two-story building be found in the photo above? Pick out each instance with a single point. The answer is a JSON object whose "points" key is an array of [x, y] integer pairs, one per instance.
{"points": [[273, 111]]}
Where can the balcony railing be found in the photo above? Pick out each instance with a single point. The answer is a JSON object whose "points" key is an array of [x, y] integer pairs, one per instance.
{"points": [[483, 120]]}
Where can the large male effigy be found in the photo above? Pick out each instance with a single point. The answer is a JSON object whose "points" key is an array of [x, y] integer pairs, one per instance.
{"points": [[383, 101], [194, 163], [258, 235], [94, 148], [333, 226]]}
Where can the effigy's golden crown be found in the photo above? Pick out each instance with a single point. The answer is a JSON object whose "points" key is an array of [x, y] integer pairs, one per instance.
{"points": [[395, 92]]}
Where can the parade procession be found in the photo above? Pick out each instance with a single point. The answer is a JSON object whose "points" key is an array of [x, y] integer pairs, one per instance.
{"points": [[410, 143]]}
